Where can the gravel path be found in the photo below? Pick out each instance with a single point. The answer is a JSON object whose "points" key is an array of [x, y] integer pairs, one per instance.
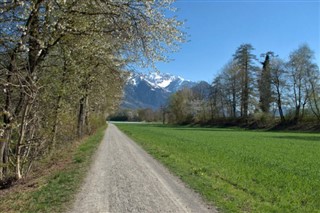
{"points": [[124, 178]]}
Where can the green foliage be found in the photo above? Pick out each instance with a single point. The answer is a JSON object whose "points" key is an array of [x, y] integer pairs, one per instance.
{"points": [[264, 84], [180, 107], [284, 89], [304, 78], [63, 67], [244, 60], [263, 119], [237, 170]]}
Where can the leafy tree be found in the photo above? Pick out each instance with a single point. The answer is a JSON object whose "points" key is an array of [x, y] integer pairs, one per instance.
{"points": [[232, 81], [62, 64], [218, 98], [313, 80], [201, 93], [301, 66], [244, 60], [180, 106], [278, 83]]}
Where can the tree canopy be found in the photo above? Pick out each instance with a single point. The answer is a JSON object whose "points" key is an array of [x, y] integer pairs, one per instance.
{"points": [[63, 66]]}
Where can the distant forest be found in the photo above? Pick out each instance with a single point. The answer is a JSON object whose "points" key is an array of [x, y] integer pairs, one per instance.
{"points": [[249, 91]]}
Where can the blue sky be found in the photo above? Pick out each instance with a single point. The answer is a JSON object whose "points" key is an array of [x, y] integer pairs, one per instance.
{"points": [[217, 28]]}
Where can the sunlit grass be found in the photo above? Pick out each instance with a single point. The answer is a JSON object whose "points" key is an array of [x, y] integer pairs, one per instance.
{"points": [[240, 171]]}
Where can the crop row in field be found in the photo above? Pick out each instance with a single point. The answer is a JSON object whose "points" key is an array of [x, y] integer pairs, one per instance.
{"points": [[240, 171]]}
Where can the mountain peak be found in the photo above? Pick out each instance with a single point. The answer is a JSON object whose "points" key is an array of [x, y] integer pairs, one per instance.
{"points": [[151, 90], [158, 80]]}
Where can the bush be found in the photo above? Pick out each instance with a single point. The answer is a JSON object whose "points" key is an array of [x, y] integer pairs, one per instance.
{"points": [[262, 119]]}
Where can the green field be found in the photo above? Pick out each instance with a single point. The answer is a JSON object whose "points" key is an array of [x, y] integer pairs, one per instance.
{"points": [[238, 170]]}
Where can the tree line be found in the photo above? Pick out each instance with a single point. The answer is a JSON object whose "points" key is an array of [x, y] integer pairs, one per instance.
{"points": [[63, 65], [266, 91]]}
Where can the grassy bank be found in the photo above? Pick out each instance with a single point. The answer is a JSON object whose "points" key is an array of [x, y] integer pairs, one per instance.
{"points": [[58, 179], [237, 170]]}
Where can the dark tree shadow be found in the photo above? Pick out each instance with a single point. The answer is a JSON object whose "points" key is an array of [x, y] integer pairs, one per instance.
{"points": [[302, 138]]}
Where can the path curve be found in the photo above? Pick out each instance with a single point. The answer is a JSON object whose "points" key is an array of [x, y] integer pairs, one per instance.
{"points": [[124, 178]]}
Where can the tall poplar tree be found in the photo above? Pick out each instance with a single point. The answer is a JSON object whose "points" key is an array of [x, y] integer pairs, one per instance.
{"points": [[264, 83]]}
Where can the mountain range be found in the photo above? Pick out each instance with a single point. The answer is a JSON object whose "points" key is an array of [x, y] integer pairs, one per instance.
{"points": [[151, 90]]}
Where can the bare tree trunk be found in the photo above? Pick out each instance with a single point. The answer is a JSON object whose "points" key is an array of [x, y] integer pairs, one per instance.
{"points": [[163, 117], [315, 109], [281, 112], [3, 157], [58, 104], [297, 98], [163, 112], [303, 110], [234, 104], [297, 114], [6, 157], [4, 153], [204, 114], [30, 151], [81, 117], [246, 92], [55, 124], [19, 144], [86, 116], [279, 103], [212, 110], [222, 107], [7, 120]]}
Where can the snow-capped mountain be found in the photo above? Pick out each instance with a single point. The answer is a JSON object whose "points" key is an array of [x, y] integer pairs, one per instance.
{"points": [[151, 90], [165, 81]]}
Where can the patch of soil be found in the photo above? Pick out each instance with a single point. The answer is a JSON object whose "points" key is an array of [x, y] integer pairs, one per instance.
{"points": [[7, 183]]}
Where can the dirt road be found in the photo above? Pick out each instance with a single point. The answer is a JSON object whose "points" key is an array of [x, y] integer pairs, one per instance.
{"points": [[124, 178]]}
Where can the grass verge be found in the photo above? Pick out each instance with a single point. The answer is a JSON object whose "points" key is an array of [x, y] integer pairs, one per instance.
{"points": [[238, 170], [57, 182]]}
